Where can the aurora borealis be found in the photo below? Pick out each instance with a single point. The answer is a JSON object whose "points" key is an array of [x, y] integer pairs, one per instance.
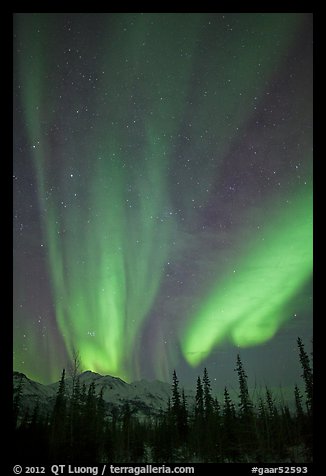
{"points": [[162, 190]]}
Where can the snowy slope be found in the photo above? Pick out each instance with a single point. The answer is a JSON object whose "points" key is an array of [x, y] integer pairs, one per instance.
{"points": [[146, 398], [34, 393]]}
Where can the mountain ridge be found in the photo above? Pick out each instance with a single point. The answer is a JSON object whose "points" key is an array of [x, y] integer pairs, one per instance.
{"points": [[146, 398]]}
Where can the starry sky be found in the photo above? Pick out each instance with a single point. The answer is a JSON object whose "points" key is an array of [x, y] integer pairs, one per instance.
{"points": [[162, 192]]}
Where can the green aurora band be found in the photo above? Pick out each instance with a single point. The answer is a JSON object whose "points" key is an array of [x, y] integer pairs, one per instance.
{"points": [[249, 304], [106, 259], [105, 270]]}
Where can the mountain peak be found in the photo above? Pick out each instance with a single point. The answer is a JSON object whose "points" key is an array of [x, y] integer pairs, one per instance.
{"points": [[90, 373]]}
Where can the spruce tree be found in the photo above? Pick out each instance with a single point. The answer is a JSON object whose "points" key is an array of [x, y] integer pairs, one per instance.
{"points": [[199, 408], [175, 394], [101, 407], [247, 430], [199, 427], [184, 415], [58, 425], [272, 410], [176, 409], [307, 375], [210, 433], [272, 423], [245, 404], [59, 410], [216, 407], [230, 431], [208, 399]]}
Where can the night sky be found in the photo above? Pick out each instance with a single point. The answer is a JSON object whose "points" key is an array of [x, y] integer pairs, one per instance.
{"points": [[162, 194]]}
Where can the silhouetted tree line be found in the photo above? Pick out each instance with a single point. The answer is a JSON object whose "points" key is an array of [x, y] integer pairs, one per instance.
{"points": [[78, 429]]}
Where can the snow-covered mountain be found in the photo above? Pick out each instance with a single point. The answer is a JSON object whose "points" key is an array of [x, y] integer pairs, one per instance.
{"points": [[146, 398]]}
